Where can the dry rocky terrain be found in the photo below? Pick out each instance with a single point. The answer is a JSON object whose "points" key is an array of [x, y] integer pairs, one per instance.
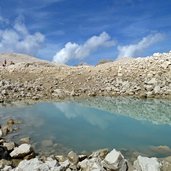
{"points": [[24, 77]]}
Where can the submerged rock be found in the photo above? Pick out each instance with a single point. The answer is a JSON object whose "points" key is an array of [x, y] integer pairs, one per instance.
{"points": [[10, 122], [73, 157], [25, 140]]}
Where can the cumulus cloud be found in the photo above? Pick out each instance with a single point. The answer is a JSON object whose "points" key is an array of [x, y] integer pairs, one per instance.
{"points": [[134, 50], [76, 51], [18, 39]]}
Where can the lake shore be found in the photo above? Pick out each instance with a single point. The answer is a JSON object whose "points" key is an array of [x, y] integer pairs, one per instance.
{"points": [[22, 157]]}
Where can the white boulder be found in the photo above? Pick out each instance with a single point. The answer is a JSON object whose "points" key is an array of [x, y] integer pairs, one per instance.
{"points": [[115, 161], [37, 165], [146, 164], [32, 165], [21, 151]]}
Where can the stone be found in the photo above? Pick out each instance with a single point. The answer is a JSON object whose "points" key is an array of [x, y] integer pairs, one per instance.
{"points": [[115, 160], [51, 163], [64, 164], [95, 164], [165, 64], [91, 164], [146, 164], [68, 169], [60, 158], [166, 164], [47, 143], [4, 163], [164, 150], [83, 164], [1, 134], [73, 157], [7, 168], [25, 140], [100, 153], [96, 167], [10, 122], [157, 89], [32, 165], [21, 151], [30, 156], [58, 93], [4, 153], [82, 157], [5, 130], [10, 145]]}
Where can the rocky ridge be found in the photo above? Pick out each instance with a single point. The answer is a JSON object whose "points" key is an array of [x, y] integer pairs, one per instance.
{"points": [[35, 80]]}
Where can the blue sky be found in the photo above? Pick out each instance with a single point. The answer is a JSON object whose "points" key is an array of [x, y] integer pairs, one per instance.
{"points": [[74, 31]]}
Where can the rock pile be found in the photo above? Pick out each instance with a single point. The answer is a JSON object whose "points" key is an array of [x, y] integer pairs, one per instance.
{"points": [[141, 77], [97, 161]]}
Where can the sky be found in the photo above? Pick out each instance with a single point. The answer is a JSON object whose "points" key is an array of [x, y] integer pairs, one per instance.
{"points": [[85, 31]]}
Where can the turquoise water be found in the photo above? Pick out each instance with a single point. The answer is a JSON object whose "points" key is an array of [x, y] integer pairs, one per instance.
{"points": [[87, 125]]}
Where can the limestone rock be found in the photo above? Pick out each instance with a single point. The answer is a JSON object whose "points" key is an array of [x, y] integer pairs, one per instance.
{"points": [[10, 145], [115, 160], [3, 163], [7, 168], [73, 157], [146, 164], [21, 151], [91, 164], [32, 165], [166, 164], [64, 164], [100, 153], [60, 158], [1, 134]]}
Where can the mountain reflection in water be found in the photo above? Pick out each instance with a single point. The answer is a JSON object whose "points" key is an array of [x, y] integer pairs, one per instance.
{"points": [[90, 124]]}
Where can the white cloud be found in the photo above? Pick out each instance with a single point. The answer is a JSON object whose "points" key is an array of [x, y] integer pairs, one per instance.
{"points": [[18, 39], [76, 51], [134, 50]]}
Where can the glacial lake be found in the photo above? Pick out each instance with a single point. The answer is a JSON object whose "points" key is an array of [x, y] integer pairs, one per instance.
{"points": [[127, 124]]}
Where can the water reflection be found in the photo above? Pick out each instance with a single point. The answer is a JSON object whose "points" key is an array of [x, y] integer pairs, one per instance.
{"points": [[90, 124], [153, 110], [73, 111]]}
